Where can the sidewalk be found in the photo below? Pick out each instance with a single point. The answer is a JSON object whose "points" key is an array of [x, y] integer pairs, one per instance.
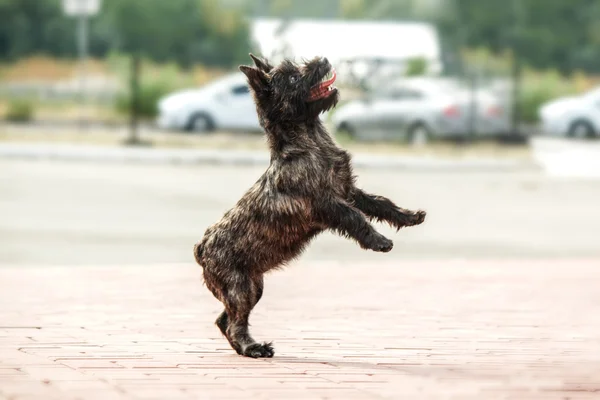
{"points": [[241, 157], [422, 330]]}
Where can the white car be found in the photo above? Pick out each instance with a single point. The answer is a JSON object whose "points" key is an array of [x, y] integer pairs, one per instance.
{"points": [[223, 104], [419, 109], [574, 116]]}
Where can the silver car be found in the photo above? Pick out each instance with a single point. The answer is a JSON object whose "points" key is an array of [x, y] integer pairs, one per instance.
{"points": [[420, 109]]}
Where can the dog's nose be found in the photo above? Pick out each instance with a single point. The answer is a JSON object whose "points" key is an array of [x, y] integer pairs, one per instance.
{"points": [[325, 60]]}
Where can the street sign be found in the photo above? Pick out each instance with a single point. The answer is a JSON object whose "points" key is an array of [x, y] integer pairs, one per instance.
{"points": [[81, 8]]}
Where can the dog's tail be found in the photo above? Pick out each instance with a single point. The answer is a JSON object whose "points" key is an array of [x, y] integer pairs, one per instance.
{"points": [[199, 252]]}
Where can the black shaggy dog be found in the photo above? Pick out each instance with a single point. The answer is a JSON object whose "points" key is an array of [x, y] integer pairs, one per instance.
{"points": [[307, 188]]}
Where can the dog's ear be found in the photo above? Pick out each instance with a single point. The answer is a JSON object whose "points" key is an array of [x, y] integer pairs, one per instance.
{"points": [[257, 79], [261, 64]]}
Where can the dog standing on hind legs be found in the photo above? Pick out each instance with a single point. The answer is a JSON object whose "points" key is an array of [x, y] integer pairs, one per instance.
{"points": [[308, 188]]}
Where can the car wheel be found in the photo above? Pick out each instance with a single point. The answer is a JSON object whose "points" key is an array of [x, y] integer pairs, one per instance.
{"points": [[418, 135], [200, 123], [581, 130]]}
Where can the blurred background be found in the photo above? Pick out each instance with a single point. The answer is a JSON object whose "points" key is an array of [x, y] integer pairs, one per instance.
{"points": [[492, 109]]}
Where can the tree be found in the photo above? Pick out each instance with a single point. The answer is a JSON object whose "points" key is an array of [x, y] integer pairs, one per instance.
{"points": [[547, 37], [185, 31], [30, 26]]}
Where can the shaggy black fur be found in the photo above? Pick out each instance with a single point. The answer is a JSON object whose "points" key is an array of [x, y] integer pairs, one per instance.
{"points": [[307, 188]]}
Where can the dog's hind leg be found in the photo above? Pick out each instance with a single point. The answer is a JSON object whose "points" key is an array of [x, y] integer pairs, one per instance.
{"points": [[222, 323], [240, 297], [384, 210], [233, 290]]}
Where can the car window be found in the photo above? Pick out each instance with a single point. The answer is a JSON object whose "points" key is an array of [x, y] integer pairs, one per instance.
{"points": [[399, 93], [240, 90], [405, 94], [394, 93], [413, 94]]}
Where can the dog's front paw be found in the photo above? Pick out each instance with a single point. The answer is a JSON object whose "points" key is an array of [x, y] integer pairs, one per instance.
{"points": [[379, 243], [417, 218]]}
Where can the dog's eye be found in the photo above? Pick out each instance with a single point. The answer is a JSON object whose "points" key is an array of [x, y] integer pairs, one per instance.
{"points": [[293, 79]]}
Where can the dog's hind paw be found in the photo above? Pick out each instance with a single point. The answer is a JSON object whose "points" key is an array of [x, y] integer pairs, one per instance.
{"points": [[259, 350]]}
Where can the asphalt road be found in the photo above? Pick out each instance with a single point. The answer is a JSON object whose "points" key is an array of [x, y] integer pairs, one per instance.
{"points": [[95, 214]]}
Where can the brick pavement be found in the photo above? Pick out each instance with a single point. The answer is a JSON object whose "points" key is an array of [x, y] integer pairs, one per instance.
{"points": [[402, 330]]}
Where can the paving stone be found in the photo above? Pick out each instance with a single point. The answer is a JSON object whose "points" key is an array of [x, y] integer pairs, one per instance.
{"points": [[480, 330]]}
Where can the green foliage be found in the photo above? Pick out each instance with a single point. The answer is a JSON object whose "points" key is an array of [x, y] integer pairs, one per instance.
{"points": [[150, 93], [541, 32], [545, 34], [530, 102], [416, 66], [30, 26], [155, 82], [19, 110], [539, 88], [352, 8], [185, 31], [295, 8], [483, 59]]}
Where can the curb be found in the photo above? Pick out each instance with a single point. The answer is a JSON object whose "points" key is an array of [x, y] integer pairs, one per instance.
{"points": [[238, 157]]}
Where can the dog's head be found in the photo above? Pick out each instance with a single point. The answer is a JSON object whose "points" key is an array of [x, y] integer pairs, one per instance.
{"points": [[292, 92]]}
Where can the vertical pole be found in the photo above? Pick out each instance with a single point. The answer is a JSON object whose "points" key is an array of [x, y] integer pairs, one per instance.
{"points": [[516, 68], [472, 104], [465, 70], [134, 109], [82, 36], [516, 95]]}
